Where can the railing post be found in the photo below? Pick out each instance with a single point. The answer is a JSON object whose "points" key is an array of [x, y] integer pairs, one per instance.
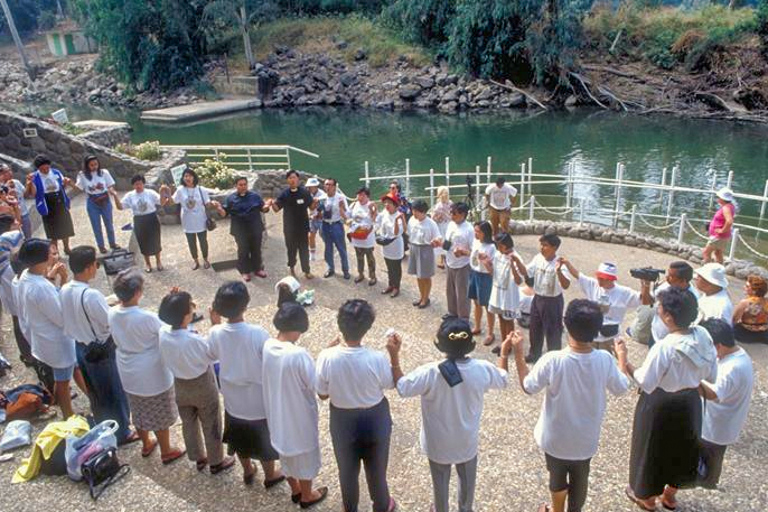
{"points": [[581, 212], [712, 187], [531, 206], [569, 186], [632, 219], [729, 183], [530, 167], [522, 184], [477, 189], [765, 200], [620, 178], [663, 182], [367, 176], [488, 170], [407, 177], [431, 187], [448, 174], [250, 161], [671, 198], [681, 229], [734, 241], [288, 157]]}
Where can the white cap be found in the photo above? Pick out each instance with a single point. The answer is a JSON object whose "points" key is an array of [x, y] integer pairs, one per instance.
{"points": [[290, 281], [713, 273], [608, 271], [313, 182], [725, 194]]}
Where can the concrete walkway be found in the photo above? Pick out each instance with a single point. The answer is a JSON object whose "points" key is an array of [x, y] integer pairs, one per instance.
{"points": [[202, 110], [512, 476]]}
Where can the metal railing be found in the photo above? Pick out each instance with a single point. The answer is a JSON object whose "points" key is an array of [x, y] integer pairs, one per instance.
{"points": [[243, 157]]}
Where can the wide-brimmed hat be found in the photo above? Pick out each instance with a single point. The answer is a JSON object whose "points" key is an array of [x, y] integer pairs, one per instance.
{"points": [[313, 182], [607, 271], [725, 194], [713, 273]]}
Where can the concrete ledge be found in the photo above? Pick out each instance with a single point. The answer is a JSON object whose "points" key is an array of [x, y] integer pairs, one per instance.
{"points": [[201, 110]]}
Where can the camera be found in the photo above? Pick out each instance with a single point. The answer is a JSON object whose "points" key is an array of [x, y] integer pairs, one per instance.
{"points": [[646, 273]]}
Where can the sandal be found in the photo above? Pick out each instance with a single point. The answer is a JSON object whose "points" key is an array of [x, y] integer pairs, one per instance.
{"points": [[372, 281], [392, 505], [296, 498], [196, 266], [146, 452], [323, 491], [207, 264], [262, 274], [476, 331], [249, 478], [637, 501], [227, 463], [148, 270], [359, 279], [173, 456], [201, 464], [130, 438], [395, 292], [160, 268], [489, 340], [271, 483]]}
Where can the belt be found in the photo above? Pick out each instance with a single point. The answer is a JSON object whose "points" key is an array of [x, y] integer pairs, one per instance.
{"points": [[332, 221]]}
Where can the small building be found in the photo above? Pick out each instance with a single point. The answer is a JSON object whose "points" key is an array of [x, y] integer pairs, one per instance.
{"points": [[65, 40]]}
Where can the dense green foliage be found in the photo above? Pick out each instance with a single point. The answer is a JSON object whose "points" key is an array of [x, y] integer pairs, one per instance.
{"points": [[762, 25]]}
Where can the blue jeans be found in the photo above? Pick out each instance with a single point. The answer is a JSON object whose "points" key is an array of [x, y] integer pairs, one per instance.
{"points": [[105, 389], [97, 212], [333, 234], [26, 226]]}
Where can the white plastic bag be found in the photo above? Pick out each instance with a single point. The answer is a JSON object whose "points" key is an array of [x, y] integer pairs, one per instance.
{"points": [[80, 449], [17, 433]]}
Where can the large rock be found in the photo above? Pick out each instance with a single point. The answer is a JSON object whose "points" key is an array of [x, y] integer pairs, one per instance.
{"points": [[409, 92]]}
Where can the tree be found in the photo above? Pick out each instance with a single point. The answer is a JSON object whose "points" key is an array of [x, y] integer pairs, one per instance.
{"points": [[221, 13]]}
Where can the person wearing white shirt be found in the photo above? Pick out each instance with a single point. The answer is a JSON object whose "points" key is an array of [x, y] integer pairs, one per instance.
{"points": [[18, 191], [507, 268], [714, 301], [86, 320], [576, 379], [239, 349], [362, 234], [185, 354], [316, 216], [481, 279], [99, 186], [147, 381], [664, 453], [457, 244], [679, 275], [143, 203], [452, 394], [334, 208], [39, 305], [726, 400], [354, 378], [613, 298], [441, 214], [422, 231], [547, 275], [194, 200], [291, 404], [500, 196], [391, 227]]}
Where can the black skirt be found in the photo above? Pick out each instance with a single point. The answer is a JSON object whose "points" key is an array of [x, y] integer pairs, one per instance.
{"points": [[58, 223], [147, 230], [666, 434], [248, 438]]}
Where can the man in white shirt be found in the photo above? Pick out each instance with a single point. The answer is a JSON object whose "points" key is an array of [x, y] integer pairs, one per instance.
{"points": [[714, 301], [614, 299], [547, 275], [500, 197], [576, 379], [86, 320], [452, 394], [334, 208], [678, 275], [17, 191], [40, 308], [726, 401], [458, 246]]}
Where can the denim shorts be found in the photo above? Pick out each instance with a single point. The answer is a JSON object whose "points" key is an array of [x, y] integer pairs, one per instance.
{"points": [[315, 225], [63, 374]]}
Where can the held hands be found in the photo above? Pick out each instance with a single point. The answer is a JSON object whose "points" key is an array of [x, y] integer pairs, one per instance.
{"points": [[561, 262], [620, 346], [437, 242], [164, 190], [58, 269], [513, 342], [30, 177], [394, 344]]}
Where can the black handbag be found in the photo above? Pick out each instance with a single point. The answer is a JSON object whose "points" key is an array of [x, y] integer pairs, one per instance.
{"points": [[118, 260], [103, 469], [609, 331], [210, 224], [96, 351]]}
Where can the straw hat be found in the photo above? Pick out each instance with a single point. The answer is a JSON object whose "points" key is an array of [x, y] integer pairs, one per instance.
{"points": [[713, 273], [725, 194]]}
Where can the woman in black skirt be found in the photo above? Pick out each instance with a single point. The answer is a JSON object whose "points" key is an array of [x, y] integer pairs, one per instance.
{"points": [[143, 202], [667, 426], [48, 186]]}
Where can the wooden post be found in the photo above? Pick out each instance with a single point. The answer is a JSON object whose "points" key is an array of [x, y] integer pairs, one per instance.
{"points": [[531, 206], [734, 241], [367, 176], [431, 187], [672, 181], [407, 177], [681, 229], [765, 200], [17, 39], [632, 219]]}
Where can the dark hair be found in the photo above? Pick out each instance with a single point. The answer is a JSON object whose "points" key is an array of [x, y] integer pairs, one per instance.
{"points": [[364, 190], [87, 170], [681, 305], [500, 181], [583, 320], [333, 180], [34, 251], [504, 239], [682, 270], [41, 160], [355, 319], [17, 265], [721, 332], [486, 229], [138, 177], [550, 239], [231, 299], [81, 257], [195, 179], [6, 221], [290, 172], [127, 284], [420, 206], [240, 178], [461, 208], [174, 307], [284, 294], [291, 317], [396, 184], [454, 337]]}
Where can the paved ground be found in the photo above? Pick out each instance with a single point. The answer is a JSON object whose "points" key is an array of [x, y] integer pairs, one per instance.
{"points": [[512, 475]]}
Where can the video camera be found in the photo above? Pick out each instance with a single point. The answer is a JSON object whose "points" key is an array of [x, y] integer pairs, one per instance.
{"points": [[647, 273]]}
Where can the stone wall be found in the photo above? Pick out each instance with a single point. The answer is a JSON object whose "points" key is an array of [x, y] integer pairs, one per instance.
{"points": [[109, 137]]}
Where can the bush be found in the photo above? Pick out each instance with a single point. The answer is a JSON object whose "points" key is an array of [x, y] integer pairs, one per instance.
{"points": [[214, 173], [149, 150]]}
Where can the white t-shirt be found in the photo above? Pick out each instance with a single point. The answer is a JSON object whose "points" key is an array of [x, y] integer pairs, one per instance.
{"points": [[717, 305], [50, 182], [361, 216], [658, 329], [332, 207], [461, 237], [39, 305], [544, 274], [76, 295], [394, 250], [574, 406], [192, 201], [289, 398], [137, 336], [141, 204], [668, 368], [422, 232], [19, 188], [318, 196], [477, 248], [97, 185], [239, 348], [185, 353], [450, 416], [725, 417], [618, 300], [500, 198], [353, 377]]}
